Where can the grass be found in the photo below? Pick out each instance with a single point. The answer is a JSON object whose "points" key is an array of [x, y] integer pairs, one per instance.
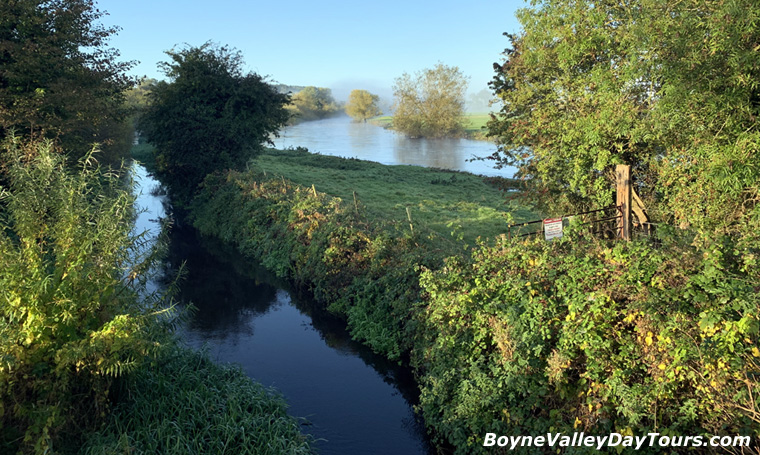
{"points": [[189, 404], [474, 124], [385, 121], [439, 200]]}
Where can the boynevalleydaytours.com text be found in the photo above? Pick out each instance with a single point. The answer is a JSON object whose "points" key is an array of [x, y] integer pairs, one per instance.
{"points": [[580, 439]]}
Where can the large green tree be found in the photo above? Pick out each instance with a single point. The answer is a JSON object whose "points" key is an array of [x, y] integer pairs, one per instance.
{"points": [[210, 116], [362, 105], [669, 87], [58, 78], [430, 103]]}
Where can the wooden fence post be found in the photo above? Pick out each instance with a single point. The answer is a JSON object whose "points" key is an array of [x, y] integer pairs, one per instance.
{"points": [[623, 183]]}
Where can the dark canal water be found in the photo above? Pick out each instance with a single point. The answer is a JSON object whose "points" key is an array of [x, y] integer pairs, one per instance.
{"points": [[354, 401]]}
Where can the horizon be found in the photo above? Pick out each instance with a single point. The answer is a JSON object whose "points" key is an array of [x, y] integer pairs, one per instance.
{"points": [[342, 46]]}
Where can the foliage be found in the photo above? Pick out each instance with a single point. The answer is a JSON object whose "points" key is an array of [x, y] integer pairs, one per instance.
{"points": [[145, 154], [210, 116], [571, 335], [669, 87], [357, 257], [431, 103], [58, 78], [137, 100], [70, 317], [188, 404], [362, 105], [312, 103], [437, 199]]}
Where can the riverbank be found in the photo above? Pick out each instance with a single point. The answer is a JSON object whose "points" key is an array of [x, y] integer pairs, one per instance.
{"points": [[450, 205], [359, 256], [184, 402], [512, 337], [475, 125]]}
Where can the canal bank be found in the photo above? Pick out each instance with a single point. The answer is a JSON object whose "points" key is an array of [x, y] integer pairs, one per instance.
{"points": [[351, 400]]}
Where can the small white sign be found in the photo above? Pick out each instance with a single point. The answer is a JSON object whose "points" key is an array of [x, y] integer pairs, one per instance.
{"points": [[552, 228]]}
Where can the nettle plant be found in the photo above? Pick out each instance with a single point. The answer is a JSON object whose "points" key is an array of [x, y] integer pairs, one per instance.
{"points": [[70, 317]]}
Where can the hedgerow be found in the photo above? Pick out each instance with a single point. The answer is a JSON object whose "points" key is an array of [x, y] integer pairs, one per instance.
{"points": [[534, 337]]}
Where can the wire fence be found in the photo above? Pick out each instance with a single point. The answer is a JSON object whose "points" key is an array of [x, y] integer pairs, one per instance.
{"points": [[604, 223]]}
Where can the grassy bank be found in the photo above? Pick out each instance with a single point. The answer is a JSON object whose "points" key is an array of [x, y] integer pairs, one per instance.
{"points": [[296, 213], [440, 202], [474, 124]]}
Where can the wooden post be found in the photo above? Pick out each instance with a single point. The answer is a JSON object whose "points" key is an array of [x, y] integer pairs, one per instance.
{"points": [[623, 183]]}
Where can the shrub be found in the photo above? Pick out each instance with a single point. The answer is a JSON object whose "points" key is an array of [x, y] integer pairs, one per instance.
{"points": [[70, 319], [572, 335]]}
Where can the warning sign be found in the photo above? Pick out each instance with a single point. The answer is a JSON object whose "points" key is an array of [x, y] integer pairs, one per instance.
{"points": [[552, 228]]}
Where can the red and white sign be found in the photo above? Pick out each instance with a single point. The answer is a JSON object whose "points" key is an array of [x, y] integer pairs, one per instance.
{"points": [[552, 228]]}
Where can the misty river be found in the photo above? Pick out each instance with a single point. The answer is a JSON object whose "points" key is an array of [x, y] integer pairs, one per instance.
{"points": [[340, 136]]}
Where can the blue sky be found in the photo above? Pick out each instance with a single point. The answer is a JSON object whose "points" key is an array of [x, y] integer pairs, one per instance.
{"points": [[338, 44]]}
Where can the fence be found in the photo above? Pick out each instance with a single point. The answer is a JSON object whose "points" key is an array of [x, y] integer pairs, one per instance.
{"points": [[602, 222], [609, 222]]}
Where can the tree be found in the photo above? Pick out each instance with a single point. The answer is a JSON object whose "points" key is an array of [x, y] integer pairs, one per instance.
{"points": [[669, 87], [430, 104], [138, 99], [362, 105], [57, 77], [210, 116], [313, 103]]}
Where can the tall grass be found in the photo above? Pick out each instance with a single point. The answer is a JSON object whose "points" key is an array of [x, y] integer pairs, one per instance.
{"points": [[186, 403]]}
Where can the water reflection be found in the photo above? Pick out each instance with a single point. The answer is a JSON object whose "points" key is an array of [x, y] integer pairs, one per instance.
{"points": [[357, 401], [342, 137], [440, 153]]}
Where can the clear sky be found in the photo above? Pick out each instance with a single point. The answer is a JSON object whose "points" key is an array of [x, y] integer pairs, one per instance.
{"points": [[341, 44]]}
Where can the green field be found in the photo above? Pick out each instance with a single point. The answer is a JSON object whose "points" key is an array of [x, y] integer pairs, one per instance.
{"points": [[438, 200], [474, 124]]}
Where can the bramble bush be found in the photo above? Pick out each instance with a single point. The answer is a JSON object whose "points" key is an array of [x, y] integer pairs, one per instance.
{"points": [[571, 335], [70, 317]]}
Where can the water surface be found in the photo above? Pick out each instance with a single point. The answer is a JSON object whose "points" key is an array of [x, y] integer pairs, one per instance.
{"points": [[353, 401], [340, 136]]}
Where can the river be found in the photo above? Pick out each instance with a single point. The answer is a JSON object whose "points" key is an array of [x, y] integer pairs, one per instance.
{"points": [[339, 136], [353, 400]]}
